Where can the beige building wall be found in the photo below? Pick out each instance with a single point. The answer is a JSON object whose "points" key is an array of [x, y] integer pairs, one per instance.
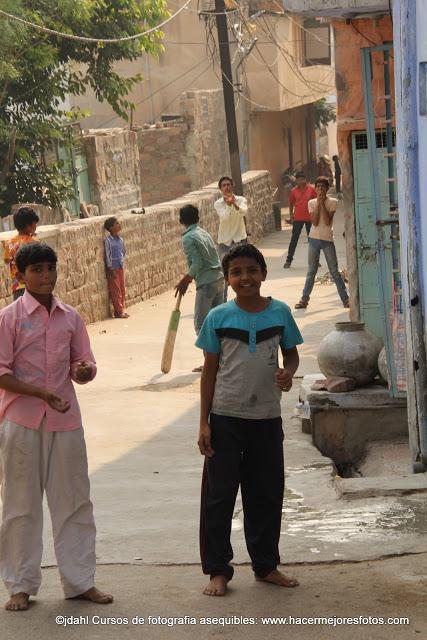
{"points": [[183, 66]]}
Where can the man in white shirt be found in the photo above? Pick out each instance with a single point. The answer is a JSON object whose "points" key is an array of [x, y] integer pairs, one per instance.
{"points": [[231, 210], [322, 210]]}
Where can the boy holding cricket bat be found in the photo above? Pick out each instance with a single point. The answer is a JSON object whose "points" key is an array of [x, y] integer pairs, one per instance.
{"points": [[241, 433], [203, 266]]}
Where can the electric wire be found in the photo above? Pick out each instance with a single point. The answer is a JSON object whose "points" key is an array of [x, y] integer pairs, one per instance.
{"points": [[286, 89], [71, 36], [317, 89]]}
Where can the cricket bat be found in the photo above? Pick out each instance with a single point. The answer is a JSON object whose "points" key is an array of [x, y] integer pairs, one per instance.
{"points": [[170, 337]]}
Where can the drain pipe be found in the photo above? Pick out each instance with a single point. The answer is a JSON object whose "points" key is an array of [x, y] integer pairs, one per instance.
{"points": [[408, 170]]}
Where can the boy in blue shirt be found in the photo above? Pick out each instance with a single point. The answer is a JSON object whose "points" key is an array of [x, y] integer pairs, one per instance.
{"points": [[114, 254], [241, 432]]}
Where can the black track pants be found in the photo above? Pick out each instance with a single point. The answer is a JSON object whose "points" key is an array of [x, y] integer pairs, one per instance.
{"points": [[248, 453]]}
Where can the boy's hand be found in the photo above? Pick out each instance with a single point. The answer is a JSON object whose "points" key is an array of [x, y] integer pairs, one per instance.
{"points": [[182, 285], [283, 379], [55, 402], [83, 372], [204, 441]]}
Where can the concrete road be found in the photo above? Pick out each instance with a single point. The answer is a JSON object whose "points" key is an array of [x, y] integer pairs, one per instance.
{"points": [[141, 429]]}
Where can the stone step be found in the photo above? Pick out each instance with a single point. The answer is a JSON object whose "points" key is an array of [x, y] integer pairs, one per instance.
{"points": [[351, 488]]}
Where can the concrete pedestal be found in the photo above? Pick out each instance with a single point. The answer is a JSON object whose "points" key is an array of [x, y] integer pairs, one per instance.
{"points": [[343, 423]]}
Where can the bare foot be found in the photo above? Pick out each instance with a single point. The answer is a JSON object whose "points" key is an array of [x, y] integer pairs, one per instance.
{"points": [[95, 595], [123, 316], [217, 586], [18, 602], [280, 579]]}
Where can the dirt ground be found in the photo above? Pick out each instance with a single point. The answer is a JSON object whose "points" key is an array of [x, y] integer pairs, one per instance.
{"points": [[366, 592]]}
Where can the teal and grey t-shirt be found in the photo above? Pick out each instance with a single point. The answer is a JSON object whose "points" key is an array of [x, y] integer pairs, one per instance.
{"points": [[248, 344]]}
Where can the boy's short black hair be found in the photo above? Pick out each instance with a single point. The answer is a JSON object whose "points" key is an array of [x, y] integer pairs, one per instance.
{"points": [[322, 180], [24, 217], [189, 214], [109, 223], [221, 180], [300, 174], [33, 253], [243, 250]]}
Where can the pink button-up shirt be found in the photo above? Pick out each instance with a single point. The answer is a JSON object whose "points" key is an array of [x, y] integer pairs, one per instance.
{"points": [[44, 350]]}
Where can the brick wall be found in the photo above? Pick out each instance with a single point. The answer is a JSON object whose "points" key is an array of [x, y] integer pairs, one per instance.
{"points": [[154, 260]]}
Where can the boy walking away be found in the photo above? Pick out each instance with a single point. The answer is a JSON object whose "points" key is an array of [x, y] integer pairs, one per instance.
{"points": [[114, 252], [322, 210], [44, 345], [298, 211], [203, 266], [241, 433], [25, 221]]}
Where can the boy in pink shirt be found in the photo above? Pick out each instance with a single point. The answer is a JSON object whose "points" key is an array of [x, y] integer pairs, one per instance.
{"points": [[44, 346]]}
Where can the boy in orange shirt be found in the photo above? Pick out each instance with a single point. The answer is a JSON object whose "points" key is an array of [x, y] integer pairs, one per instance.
{"points": [[25, 221]]}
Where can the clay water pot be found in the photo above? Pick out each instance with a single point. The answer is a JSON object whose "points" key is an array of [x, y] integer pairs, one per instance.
{"points": [[382, 364], [350, 351]]}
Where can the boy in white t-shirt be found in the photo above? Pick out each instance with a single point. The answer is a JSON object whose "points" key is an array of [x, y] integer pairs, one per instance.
{"points": [[322, 210]]}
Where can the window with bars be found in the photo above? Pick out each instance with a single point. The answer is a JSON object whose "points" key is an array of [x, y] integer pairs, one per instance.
{"points": [[361, 140]]}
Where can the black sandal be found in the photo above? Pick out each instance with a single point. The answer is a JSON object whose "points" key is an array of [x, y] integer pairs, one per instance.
{"points": [[302, 304]]}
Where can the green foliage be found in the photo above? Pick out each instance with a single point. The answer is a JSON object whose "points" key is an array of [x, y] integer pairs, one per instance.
{"points": [[39, 70], [37, 182], [324, 113]]}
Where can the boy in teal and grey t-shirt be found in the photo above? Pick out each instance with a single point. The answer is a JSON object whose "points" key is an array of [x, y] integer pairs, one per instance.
{"points": [[204, 267], [241, 433]]}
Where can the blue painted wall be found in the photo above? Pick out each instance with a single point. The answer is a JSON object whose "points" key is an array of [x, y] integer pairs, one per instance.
{"points": [[410, 51], [421, 53]]}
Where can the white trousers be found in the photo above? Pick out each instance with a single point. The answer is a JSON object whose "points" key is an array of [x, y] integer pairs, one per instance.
{"points": [[33, 461]]}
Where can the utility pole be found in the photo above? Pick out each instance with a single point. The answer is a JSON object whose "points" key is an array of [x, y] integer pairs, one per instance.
{"points": [[228, 91]]}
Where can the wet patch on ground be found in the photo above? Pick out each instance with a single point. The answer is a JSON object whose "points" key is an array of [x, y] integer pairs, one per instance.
{"points": [[375, 520]]}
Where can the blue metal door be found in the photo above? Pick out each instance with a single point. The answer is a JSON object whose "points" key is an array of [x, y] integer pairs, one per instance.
{"points": [[387, 226], [367, 230]]}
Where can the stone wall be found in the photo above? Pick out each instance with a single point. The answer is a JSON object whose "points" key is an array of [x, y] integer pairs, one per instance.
{"points": [[113, 165], [154, 257], [207, 156], [162, 162], [184, 154]]}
